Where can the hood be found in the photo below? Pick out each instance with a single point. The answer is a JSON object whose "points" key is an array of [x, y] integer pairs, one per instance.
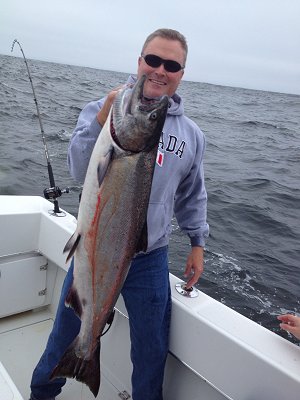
{"points": [[175, 102]]}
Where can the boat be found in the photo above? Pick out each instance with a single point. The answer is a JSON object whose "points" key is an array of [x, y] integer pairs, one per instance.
{"points": [[215, 353]]}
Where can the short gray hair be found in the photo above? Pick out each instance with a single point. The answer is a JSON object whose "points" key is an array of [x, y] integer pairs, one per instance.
{"points": [[169, 34]]}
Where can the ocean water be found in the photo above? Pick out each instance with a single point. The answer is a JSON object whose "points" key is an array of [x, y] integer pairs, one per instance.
{"points": [[252, 169]]}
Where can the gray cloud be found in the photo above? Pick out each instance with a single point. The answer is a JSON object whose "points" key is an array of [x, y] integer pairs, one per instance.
{"points": [[252, 43]]}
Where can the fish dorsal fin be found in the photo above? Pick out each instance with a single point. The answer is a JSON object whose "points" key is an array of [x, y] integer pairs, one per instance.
{"points": [[142, 244], [71, 245]]}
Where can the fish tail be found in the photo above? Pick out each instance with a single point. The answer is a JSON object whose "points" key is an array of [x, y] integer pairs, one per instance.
{"points": [[85, 371]]}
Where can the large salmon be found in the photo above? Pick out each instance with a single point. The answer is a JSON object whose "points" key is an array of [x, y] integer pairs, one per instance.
{"points": [[112, 223]]}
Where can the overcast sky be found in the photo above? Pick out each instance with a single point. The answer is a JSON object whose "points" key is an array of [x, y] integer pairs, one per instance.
{"points": [[246, 43]]}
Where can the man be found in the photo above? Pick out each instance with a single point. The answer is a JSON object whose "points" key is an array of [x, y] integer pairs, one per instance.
{"points": [[178, 187]]}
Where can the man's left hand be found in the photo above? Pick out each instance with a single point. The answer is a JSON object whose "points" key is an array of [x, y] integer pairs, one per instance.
{"points": [[194, 266]]}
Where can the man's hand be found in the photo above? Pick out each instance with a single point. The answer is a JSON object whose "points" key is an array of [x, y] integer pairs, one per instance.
{"points": [[290, 323], [194, 266], [103, 113]]}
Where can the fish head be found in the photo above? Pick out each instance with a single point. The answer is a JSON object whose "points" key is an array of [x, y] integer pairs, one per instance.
{"points": [[138, 121]]}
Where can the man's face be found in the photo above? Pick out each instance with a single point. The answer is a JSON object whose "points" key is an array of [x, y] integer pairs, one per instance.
{"points": [[159, 81]]}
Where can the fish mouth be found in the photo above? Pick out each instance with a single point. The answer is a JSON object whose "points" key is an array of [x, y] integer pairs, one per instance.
{"points": [[137, 120], [138, 99], [148, 100], [149, 103]]}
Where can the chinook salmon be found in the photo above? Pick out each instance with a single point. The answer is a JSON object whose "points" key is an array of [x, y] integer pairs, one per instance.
{"points": [[112, 223]]}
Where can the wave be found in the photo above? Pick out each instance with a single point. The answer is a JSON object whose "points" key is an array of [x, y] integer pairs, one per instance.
{"points": [[260, 124], [64, 135], [267, 125]]}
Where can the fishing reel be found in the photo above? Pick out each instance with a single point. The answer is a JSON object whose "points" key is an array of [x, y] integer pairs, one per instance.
{"points": [[53, 193]]}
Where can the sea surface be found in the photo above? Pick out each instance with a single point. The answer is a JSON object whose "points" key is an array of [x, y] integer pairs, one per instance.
{"points": [[252, 168]]}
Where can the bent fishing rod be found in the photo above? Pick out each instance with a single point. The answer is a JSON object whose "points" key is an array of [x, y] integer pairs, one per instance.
{"points": [[54, 191]]}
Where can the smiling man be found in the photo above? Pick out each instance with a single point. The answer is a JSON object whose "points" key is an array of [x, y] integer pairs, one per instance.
{"points": [[177, 188], [163, 61]]}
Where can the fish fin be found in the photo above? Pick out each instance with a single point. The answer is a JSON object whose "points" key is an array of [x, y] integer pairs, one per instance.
{"points": [[85, 371], [73, 300], [71, 245], [142, 244], [103, 165]]}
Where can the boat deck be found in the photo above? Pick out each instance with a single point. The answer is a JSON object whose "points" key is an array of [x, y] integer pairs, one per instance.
{"points": [[22, 340]]}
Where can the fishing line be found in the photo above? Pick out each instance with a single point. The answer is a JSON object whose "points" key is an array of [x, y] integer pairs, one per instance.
{"points": [[54, 191]]}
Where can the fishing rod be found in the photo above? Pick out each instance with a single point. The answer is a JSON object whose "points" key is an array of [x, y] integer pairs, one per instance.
{"points": [[54, 191]]}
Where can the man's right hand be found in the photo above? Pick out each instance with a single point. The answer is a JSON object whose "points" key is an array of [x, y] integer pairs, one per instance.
{"points": [[103, 113]]}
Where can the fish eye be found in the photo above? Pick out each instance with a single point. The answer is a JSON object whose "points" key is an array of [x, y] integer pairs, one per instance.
{"points": [[153, 115]]}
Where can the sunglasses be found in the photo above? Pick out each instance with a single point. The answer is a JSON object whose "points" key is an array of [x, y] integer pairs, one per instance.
{"points": [[156, 61]]}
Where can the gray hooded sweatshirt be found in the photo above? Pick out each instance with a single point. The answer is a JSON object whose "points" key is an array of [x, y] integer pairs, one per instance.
{"points": [[178, 182]]}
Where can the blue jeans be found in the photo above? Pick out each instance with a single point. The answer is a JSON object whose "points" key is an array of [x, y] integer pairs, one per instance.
{"points": [[147, 297]]}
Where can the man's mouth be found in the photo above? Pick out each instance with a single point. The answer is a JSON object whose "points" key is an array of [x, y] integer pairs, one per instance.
{"points": [[156, 82]]}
